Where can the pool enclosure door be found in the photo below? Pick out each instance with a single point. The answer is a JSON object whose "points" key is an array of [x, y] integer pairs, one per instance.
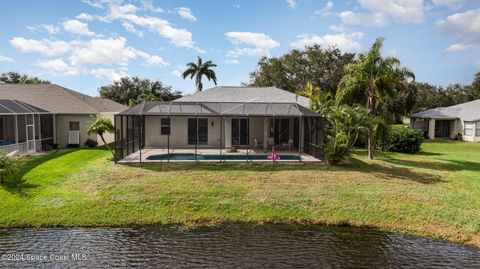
{"points": [[30, 135]]}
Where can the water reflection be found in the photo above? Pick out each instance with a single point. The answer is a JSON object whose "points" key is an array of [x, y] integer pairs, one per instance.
{"points": [[251, 246]]}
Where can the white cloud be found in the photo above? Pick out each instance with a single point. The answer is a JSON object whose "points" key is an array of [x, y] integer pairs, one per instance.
{"points": [[45, 46], [366, 19], [400, 10], [131, 29], [382, 11], [77, 27], [177, 72], [325, 11], [343, 41], [292, 3], [155, 60], [178, 36], [5, 59], [453, 4], [458, 47], [148, 5], [259, 44], [108, 73], [49, 28], [57, 66], [186, 13], [466, 26], [103, 51], [232, 61], [85, 17]]}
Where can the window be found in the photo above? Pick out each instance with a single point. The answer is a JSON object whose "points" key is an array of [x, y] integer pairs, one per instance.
{"points": [[478, 129], [165, 126], [74, 126], [468, 128], [198, 131]]}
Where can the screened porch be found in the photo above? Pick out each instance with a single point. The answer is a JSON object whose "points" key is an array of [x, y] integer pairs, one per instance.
{"points": [[24, 128], [216, 131]]}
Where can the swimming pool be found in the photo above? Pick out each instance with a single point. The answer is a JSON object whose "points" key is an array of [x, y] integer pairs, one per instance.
{"points": [[230, 157]]}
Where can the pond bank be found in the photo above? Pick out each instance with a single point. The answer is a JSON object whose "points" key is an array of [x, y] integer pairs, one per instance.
{"points": [[434, 193]]}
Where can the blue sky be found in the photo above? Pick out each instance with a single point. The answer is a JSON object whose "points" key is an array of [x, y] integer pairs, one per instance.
{"points": [[86, 44]]}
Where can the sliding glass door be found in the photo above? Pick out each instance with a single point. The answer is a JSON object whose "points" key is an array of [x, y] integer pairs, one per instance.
{"points": [[240, 132], [198, 131]]}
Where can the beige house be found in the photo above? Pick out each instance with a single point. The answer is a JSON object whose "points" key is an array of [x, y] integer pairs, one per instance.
{"points": [[449, 122], [64, 111], [222, 123]]}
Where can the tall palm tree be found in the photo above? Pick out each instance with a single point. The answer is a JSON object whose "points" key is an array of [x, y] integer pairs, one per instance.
{"points": [[379, 78], [200, 69]]}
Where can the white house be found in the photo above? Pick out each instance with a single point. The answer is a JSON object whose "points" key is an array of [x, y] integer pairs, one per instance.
{"points": [[449, 122], [216, 122]]}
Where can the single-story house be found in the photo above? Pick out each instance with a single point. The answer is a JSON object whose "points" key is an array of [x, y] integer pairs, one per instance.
{"points": [[222, 123], [33, 116], [449, 122]]}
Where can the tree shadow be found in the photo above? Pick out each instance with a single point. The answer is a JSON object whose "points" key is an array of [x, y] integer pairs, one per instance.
{"points": [[393, 172], [435, 164], [17, 184]]}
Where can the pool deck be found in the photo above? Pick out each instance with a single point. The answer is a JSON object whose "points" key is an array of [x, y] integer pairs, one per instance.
{"points": [[145, 153]]}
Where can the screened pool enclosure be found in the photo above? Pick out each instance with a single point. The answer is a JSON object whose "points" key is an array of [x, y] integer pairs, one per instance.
{"points": [[218, 131], [24, 128]]}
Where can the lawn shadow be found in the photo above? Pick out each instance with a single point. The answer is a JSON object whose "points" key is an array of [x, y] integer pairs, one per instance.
{"points": [[435, 164], [392, 172], [226, 167], [17, 184]]}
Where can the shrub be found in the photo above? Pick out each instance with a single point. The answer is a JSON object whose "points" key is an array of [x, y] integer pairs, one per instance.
{"points": [[91, 143], [8, 166], [405, 140], [73, 145]]}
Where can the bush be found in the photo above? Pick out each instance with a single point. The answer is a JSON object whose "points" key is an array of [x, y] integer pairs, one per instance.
{"points": [[91, 143], [8, 166], [73, 145], [337, 148], [405, 140]]}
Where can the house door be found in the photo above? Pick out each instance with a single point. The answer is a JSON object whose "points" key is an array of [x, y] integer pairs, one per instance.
{"points": [[198, 131], [30, 138], [281, 130], [240, 132]]}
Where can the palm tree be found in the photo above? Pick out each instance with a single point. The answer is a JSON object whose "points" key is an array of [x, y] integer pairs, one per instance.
{"points": [[200, 69], [99, 127], [379, 79], [8, 166]]}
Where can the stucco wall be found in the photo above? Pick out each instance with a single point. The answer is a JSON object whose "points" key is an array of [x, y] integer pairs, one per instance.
{"points": [[179, 132], [62, 126]]}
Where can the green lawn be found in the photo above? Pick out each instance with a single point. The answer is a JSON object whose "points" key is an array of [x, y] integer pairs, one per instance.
{"points": [[434, 193]]}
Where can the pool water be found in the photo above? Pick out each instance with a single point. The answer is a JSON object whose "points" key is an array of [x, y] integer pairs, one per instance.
{"points": [[236, 157]]}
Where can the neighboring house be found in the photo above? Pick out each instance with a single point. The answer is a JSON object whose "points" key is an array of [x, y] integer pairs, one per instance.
{"points": [[42, 114], [222, 118], [448, 122]]}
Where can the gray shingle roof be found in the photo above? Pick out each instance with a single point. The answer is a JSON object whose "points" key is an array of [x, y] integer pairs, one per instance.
{"points": [[469, 111], [245, 94], [14, 107], [57, 99]]}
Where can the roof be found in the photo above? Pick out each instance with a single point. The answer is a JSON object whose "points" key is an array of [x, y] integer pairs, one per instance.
{"points": [[245, 94], [205, 109], [15, 107], [57, 99], [469, 111]]}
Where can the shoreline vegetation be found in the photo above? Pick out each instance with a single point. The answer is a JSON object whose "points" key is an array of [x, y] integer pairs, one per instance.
{"points": [[433, 193]]}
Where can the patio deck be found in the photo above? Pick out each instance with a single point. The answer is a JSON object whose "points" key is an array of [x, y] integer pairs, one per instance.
{"points": [[143, 157]]}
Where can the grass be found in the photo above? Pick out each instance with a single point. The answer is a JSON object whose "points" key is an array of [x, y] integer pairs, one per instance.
{"points": [[435, 193]]}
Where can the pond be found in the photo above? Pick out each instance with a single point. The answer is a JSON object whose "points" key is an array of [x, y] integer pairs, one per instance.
{"points": [[229, 246]]}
